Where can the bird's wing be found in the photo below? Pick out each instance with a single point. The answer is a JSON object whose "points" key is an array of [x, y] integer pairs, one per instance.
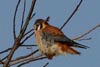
{"points": [[57, 35]]}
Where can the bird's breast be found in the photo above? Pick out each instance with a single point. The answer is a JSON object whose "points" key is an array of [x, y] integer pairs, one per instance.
{"points": [[48, 46]]}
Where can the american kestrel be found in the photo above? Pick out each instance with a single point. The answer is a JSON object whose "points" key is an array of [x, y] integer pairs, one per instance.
{"points": [[51, 40]]}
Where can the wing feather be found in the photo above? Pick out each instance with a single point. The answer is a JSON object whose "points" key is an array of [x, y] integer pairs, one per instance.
{"points": [[55, 34]]}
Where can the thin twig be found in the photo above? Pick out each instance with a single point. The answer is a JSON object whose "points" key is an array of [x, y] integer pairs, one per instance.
{"points": [[46, 64], [27, 19], [33, 15], [85, 39], [77, 38], [5, 50], [75, 10], [28, 32], [27, 38], [27, 45], [14, 20], [23, 14], [4, 58], [23, 58]]}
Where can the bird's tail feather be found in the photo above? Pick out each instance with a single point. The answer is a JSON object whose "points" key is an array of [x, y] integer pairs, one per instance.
{"points": [[68, 49], [72, 51]]}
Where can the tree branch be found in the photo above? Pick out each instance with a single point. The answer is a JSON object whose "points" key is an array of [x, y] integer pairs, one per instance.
{"points": [[28, 32], [75, 10], [77, 38], [4, 58], [27, 19], [33, 15], [23, 58], [27, 38], [5, 50], [20, 36], [23, 14], [15, 46], [27, 45], [46, 64], [84, 39], [14, 20], [31, 60]]}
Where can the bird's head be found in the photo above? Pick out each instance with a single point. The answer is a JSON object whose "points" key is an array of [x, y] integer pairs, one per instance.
{"points": [[40, 24]]}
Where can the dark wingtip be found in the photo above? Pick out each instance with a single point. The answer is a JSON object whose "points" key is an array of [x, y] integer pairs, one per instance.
{"points": [[81, 46], [85, 47]]}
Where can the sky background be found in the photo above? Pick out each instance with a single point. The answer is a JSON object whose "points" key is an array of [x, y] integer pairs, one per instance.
{"points": [[85, 18]]}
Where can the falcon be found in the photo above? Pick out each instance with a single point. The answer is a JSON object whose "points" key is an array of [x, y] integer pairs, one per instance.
{"points": [[52, 41]]}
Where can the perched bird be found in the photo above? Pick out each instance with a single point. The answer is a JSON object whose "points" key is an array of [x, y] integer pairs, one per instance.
{"points": [[51, 40]]}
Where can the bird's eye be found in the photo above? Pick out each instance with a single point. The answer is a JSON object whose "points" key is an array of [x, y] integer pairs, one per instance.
{"points": [[38, 26]]}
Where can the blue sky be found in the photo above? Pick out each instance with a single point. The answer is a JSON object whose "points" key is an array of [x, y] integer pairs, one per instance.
{"points": [[85, 18]]}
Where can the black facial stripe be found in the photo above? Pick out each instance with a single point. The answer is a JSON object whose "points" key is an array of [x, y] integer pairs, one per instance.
{"points": [[41, 26], [36, 28]]}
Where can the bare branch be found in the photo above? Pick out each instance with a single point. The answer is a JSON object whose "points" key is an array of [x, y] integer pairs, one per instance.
{"points": [[10, 55], [23, 58], [4, 58], [5, 50], [75, 10], [20, 36], [28, 32], [14, 19], [31, 60], [27, 45], [27, 38], [77, 38], [46, 64], [27, 19], [23, 14], [85, 39], [26, 55], [33, 15]]}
